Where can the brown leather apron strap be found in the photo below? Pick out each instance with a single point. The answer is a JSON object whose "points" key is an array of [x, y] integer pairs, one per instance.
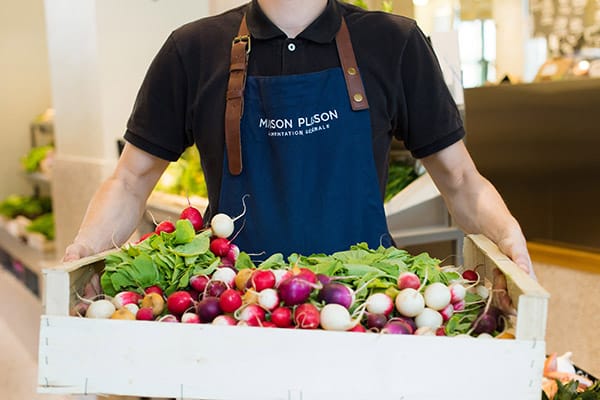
{"points": [[356, 91], [234, 108]]}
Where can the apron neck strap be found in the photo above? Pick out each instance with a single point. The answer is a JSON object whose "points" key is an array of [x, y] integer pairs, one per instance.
{"points": [[234, 108]]}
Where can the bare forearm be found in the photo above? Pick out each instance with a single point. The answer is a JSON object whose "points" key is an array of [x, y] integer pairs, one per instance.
{"points": [[111, 217]]}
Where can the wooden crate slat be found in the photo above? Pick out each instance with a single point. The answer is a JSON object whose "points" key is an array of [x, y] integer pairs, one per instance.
{"points": [[219, 362]]}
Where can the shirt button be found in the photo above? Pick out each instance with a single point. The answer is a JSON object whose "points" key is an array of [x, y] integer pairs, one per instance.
{"points": [[291, 46]]}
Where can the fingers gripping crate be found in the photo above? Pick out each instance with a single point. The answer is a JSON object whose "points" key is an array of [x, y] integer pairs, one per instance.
{"points": [[190, 361]]}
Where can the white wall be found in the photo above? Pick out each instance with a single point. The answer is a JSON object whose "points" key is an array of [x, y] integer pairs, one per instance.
{"points": [[24, 85]]}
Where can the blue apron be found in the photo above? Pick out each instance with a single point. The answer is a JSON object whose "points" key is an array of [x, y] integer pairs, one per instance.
{"points": [[309, 169]]}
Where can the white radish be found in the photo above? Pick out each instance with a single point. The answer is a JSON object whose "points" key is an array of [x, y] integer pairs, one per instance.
{"points": [[222, 225], [482, 291], [410, 302], [425, 331], [457, 292], [224, 320], [379, 303], [226, 275], [408, 280], [190, 318], [268, 299], [100, 309], [437, 296], [335, 317], [429, 318], [133, 308]]}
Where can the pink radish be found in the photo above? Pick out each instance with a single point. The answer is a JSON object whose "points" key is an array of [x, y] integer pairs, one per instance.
{"points": [[190, 318], [127, 297], [215, 288], [168, 318], [408, 280], [409, 302], [224, 320], [198, 282], [294, 291], [437, 296], [358, 328], [307, 316], [145, 236], [233, 253], [230, 300], [153, 289], [194, 216], [447, 312], [253, 315], [376, 321], [179, 302], [379, 303], [397, 327], [457, 292], [281, 275], [306, 274], [459, 305], [165, 226], [282, 317], [336, 293]]}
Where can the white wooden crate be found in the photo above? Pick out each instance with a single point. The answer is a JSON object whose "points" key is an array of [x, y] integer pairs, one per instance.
{"points": [[185, 361]]}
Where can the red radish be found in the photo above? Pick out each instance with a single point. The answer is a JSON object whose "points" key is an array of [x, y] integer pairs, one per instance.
{"points": [[230, 300], [441, 331], [103, 309], [307, 316], [233, 253], [219, 246], [437, 296], [408, 280], [470, 275], [165, 226], [281, 275], [459, 305], [155, 302], [194, 216], [268, 324], [397, 327], [226, 275], [198, 282], [457, 292], [215, 288], [409, 302], [208, 309], [144, 314], [262, 279], [154, 289], [336, 293], [379, 303], [179, 302], [252, 314], [127, 297], [429, 318], [305, 274], [447, 312], [268, 299], [145, 236], [358, 328], [224, 320], [168, 318], [282, 317], [376, 321], [294, 291]]}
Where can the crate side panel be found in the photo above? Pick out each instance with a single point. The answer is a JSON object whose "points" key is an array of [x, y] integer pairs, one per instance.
{"points": [[79, 355]]}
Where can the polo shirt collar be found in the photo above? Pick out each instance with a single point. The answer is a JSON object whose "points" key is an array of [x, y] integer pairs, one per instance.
{"points": [[321, 30]]}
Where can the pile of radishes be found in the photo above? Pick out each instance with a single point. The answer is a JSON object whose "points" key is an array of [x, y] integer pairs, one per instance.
{"points": [[388, 296]]}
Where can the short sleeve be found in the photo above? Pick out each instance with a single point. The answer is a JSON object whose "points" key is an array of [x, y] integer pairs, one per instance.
{"points": [[158, 121], [430, 119]]}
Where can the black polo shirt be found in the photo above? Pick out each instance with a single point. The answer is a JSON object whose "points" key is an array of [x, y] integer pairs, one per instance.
{"points": [[182, 98]]}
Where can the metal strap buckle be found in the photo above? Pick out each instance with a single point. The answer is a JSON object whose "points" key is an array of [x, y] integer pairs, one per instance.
{"points": [[245, 39]]}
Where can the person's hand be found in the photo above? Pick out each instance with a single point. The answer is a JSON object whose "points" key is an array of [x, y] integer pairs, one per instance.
{"points": [[515, 247], [77, 250]]}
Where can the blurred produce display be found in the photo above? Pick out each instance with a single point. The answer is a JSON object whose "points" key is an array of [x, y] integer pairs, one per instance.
{"points": [[38, 159], [28, 206], [184, 177]]}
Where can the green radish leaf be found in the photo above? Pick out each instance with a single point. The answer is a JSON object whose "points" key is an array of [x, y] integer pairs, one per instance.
{"points": [[200, 269], [243, 262], [184, 231], [144, 271], [197, 246], [106, 283], [276, 261]]}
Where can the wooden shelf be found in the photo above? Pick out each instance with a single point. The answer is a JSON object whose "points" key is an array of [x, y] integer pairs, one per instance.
{"points": [[33, 259]]}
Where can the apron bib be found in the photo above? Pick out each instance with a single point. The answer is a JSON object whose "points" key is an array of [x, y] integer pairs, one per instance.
{"points": [[309, 180]]}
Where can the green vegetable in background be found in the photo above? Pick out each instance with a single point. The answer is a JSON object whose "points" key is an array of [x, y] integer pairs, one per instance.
{"points": [[31, 161], [568, 391], [399, 176], [28, 206], [43, 224], [185, 176]]}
